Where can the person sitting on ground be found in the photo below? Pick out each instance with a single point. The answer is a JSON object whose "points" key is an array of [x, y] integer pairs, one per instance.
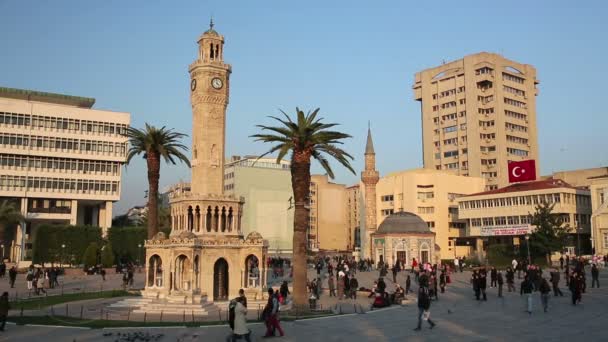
{"points": [[398, 295]]}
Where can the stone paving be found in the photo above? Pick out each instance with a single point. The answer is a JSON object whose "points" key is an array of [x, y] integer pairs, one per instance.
{"points": [[458, 316]]}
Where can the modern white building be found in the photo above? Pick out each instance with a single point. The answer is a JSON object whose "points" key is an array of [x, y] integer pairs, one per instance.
{"points": [[60, 161], [266, 189]]}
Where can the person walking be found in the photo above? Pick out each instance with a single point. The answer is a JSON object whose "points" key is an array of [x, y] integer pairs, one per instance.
{"points": [[499, 281], [395, 270], [271, 315], [475, 284], [354, 287], [4, 307], [483, 283], [595, 276], [493, 274], [544, 293], [408, 285], [526, 288], [332, 286], [442, 281], [555, 283], [561, 262], [575, 288], [514, 267], [424, 306], [12, 276], [456, 263], [510, 279], [239, 323], [284, 291]]}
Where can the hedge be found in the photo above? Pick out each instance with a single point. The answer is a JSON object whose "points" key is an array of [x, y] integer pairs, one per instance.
{"points": [[124, 241], [49, 238]]}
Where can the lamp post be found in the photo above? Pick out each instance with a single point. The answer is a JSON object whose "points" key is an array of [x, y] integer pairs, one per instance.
{"points": [[2, 246], [139, 253], [578, 242], [62, 254], [528, 247]]}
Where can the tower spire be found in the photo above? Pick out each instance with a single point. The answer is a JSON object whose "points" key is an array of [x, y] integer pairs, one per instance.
{"points": [[211, 23], [369, 147]]}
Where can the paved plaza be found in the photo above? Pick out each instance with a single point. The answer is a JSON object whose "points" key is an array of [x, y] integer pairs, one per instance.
{"points": [[458, 315]]}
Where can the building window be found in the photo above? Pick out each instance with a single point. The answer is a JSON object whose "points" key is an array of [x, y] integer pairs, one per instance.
{"points": [[386, 198], [386, 212], [426, 210], [450, 129], [605, 240], [426, 195], [450, 154]]}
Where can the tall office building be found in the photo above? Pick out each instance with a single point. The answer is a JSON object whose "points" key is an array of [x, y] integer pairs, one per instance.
{"points": [[60, 161], [478, 114]]}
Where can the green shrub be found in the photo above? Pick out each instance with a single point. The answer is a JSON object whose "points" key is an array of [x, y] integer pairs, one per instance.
{"points": [[125, 241], [107, 256], [90, 255]]}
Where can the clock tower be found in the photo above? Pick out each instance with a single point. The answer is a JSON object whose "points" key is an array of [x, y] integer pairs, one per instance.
{"points": [[209, 92]]}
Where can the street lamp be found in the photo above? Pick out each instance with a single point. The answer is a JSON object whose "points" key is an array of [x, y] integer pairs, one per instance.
{"points": [[578, 242], [528, 247], [139, 253], [62, 255], [2, 246]]}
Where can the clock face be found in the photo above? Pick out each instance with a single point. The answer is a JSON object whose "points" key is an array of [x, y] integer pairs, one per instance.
{"points": [[217, 83], [193, 84]]}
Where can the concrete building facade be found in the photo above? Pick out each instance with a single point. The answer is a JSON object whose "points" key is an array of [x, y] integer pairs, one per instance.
{"points": [[599, 216], [353, 194], [266, 188], [478, 114], [432, 195], [504, 215], [329, 222], [60, 161]]}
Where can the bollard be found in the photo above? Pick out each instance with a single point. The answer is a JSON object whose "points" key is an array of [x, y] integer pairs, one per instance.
{"points": [[161, 315], [219, 312], [192, 316], [145, 316], [67, 310], [184, 317], [355, 307], [52, 311], [81, 311], [129, 315]]}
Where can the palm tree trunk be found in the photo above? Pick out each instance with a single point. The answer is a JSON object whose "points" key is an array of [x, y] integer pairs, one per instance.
{"points": [[300, 180], [153, 160]]}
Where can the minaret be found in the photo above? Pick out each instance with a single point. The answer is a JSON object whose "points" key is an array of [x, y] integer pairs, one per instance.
{"points": [[209, 86], [370, 178]]}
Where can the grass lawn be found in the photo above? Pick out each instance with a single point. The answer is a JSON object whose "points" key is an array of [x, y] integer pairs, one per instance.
{"points": [[99, 324], [46, 301]]}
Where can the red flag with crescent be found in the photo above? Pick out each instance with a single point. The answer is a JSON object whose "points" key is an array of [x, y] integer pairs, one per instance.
{"points": [[522, 171]]}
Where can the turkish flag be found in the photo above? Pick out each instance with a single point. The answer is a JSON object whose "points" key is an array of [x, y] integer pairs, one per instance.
{"points": [[522, 171]]}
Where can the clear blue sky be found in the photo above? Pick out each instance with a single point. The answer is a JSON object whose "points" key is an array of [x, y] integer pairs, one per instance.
{"points": [[353, 59]]}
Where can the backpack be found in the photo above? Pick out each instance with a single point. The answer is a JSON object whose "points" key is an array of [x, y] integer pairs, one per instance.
{"points": [[231, 313]]}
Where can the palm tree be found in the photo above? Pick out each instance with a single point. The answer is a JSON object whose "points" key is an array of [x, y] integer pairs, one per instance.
{"points": [[305, 138], [155, 143], [9, 215]]}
